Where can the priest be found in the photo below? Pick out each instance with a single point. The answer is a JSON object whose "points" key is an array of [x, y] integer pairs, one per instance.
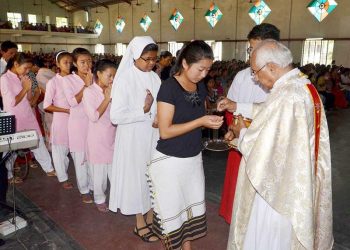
{"points": [[283, 198]]}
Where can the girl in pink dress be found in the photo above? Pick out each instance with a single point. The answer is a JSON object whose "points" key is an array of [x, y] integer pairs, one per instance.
{"points": [[16, 93], [55, 102], [74, 86], [101, 132]]}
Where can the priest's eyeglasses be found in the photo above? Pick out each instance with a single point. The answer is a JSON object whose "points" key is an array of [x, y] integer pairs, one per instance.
{"points": [[249, 50], [254, 72], [149, 60]]}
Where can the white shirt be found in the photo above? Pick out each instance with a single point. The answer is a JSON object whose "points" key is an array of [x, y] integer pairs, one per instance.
{"points": [[245, 90], [3, 64]]}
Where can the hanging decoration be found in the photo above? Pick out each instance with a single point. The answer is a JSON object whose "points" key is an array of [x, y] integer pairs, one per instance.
{"points": [[213, 15], [259, 11], [321, 8], [145, 22], [98, 27], [120, 24], [176, 19]]}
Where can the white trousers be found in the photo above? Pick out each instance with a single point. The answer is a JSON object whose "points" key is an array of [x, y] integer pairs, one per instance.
{"points": [[100, 173], [60, 161], [267, 229], [41, 155], [82, 172]]}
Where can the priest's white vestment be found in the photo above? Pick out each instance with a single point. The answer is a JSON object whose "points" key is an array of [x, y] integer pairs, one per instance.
{"points": [[278, 176]]}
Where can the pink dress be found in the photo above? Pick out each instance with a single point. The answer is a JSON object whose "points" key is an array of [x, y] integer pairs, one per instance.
{"points": [[78, 121], [101, 132], [11, 86], [54, 95]]}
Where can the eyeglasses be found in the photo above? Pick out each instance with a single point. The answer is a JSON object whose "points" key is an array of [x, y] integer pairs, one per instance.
{"points": [[148, 60], [253, 72], [249, 50]]}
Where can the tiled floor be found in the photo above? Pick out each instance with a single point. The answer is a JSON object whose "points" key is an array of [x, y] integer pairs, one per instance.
{"points": [[59, 220]]}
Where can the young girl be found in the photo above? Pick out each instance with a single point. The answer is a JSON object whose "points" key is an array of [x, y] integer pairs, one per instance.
{"points": [[74, 86], [101, 132], [55, 101], [16, 93], [133, 111], [176, 171]]}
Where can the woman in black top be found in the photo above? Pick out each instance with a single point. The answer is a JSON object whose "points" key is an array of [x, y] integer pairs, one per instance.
{"points": [[176, 171]]}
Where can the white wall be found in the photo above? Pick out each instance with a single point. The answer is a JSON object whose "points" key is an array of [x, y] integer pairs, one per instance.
{"points": [[290, 16], [26, 7]]}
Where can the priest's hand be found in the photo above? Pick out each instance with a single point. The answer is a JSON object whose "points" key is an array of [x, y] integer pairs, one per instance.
{"points": [[237, 125], [148, 101], [226, 104], [229, 136]]}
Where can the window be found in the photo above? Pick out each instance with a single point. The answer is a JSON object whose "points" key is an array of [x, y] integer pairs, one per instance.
{"points": [[317, 50], [14, 18], [87, 16], [217, 49], [31, 19], [47, 19], [20, 48], [173, 47], [247, 45], [61, 21], [99, 49], [120, 49]]}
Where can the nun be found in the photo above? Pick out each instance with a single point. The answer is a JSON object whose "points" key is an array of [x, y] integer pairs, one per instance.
{"points": [[133, 110]]}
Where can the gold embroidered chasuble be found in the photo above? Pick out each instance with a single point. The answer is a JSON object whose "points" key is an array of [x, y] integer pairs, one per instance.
{"points": [[279, 163]]}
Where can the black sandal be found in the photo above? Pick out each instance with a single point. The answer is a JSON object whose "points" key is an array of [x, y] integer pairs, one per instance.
{"points": [[147, 236]]}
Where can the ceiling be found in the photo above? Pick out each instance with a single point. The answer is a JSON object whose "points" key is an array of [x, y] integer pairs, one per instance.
{"points": [[75, 5]]}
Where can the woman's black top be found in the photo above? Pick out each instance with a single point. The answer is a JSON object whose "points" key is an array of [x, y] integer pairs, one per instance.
{"points": [[188, 106]]}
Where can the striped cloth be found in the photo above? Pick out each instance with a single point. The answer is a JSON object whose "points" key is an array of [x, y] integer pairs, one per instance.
{"points": [[177, 195]]}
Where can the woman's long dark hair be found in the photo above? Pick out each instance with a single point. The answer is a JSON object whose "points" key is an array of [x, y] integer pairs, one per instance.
{"points": [[192, 53], [102, 65], [75, 54], [20, 58]]}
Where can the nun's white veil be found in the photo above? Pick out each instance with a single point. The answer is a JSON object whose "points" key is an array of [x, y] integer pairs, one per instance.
{"points": [[133, 52]]}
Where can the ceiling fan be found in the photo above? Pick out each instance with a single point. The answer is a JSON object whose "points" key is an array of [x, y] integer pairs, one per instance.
{"points": [[37, 4], [97, 11], [152, 11], [138, 3]]}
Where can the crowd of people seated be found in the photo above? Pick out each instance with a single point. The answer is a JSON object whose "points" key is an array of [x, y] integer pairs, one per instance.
{"points": [[5, 25], [24, 25], [31, 26], [332, 83]]}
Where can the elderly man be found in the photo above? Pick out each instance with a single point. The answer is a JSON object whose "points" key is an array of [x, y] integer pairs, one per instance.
{"points": [[243, 89], [283, 198]]}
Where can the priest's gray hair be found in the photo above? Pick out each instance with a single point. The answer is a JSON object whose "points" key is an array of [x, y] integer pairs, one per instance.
{"points": [[272, 51]]}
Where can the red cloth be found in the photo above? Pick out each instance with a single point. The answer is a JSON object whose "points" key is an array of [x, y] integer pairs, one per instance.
{"points": [[229, 188], [340, 99]]}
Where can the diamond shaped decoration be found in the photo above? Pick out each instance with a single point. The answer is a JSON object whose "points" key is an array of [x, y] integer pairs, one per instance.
{"points": [[213, 15], [98, 27], [259, 12], [176, 19], [321, 8], [120, 24], [145, 22]]}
